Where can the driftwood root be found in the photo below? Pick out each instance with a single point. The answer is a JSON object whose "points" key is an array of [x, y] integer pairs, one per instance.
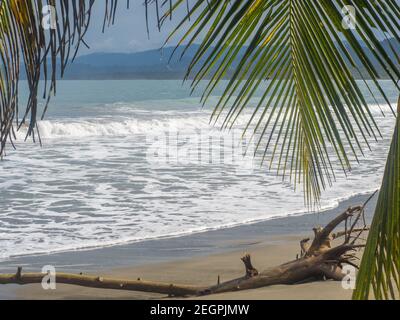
{"points": [[322, 259]]}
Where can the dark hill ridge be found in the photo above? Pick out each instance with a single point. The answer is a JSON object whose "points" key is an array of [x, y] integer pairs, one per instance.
{"points": [[152, 64]]}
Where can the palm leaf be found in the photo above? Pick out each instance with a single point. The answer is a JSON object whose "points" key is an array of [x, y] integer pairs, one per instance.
{"points": [[23, 41], [312, 110], [380, 266]]}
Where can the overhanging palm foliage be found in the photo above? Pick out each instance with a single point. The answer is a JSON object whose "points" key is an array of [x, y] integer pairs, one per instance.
{"points": [[25, 40], [381, 264], [312, 103], [311, 111]]}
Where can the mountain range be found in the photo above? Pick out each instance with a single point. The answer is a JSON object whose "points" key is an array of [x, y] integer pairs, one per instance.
{"points": [[155, 64]]}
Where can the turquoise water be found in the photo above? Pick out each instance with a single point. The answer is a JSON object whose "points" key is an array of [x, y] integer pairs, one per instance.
{"points": [[124, 161]]}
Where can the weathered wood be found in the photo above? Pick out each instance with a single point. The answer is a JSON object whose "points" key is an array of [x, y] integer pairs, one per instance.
{"points": [[103, 283], [344, 233], [318, 261], [304, 247], [250, 270]]}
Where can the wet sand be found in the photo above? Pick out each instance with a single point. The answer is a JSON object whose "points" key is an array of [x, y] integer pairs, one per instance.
{"points": [[195, 259]]}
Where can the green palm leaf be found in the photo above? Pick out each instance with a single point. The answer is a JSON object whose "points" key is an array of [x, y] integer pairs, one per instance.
{"points": [[312, 109], [380, 266], [23, 39]]}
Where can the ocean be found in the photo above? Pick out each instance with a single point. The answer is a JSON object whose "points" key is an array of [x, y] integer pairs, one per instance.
{"points": [[125, 161]]}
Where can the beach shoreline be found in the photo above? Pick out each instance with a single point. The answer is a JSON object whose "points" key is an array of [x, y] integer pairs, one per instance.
{"points": [[191, 259]]}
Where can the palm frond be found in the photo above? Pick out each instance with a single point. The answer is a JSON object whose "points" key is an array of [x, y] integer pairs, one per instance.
{"points": [[380, 266], [25, 42], [312, 109]]}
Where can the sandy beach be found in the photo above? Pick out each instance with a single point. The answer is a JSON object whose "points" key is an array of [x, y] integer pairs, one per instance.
{"points": [[195, 259], [204, 271], [199, 150]]}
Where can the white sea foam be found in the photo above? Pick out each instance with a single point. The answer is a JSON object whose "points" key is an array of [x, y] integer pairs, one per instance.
{"points": [[159, 122], [91, 184], [71, 128]]}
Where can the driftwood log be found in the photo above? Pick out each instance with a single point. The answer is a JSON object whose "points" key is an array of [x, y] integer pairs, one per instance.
{"points": [[318, 260]]}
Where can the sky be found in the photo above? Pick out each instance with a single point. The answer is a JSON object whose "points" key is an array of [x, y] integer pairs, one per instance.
{"points": [[129, 32]]}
